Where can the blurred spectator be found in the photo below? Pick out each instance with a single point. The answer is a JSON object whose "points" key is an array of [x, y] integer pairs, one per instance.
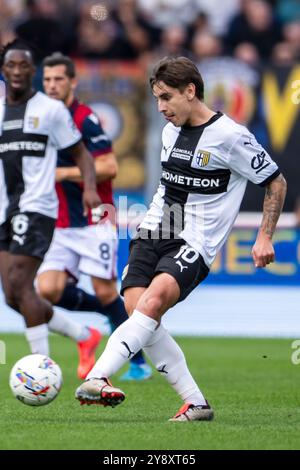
{"points": [[205, 46], [199, 25], [219, 13], [247, 52], [11, 11], [97, 32], [291, 34], [134, 31], [143, 29], [173, 41], [255, 24], [136, 42], [165, 13], [43, 28], [283, 54]]}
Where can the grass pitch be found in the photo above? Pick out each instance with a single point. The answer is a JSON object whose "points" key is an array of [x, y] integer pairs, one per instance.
{"points": [[251, 383]]}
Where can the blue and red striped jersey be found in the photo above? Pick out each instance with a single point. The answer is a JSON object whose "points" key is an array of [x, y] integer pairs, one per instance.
{"points": [[70, 211]]}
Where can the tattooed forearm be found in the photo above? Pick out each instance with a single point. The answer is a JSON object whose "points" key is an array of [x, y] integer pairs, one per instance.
{"points": [[273, 203]]}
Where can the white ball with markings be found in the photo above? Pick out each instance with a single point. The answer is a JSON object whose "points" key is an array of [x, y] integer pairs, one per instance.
{"points": [[35, 380]]}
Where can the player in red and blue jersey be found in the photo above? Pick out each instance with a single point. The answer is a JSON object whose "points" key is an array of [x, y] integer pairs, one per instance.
{"points": [[81, 244], [69, 187]]}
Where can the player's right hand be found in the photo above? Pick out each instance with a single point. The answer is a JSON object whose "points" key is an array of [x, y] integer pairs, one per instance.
{"points": [[90, 200], [263, 251]]}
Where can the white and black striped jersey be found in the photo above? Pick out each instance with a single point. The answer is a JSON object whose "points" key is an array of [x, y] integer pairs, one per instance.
{"points": [[30, 134], [204, 176]]}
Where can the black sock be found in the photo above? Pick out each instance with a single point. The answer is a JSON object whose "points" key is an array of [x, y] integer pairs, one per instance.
{"points": [[74, 298]]}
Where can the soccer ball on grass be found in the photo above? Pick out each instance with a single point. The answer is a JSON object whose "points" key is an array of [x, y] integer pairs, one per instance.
{"points": [[35, 380]]}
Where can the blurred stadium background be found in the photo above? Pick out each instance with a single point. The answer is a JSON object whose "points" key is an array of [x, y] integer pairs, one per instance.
{"points": [[248, 52]]}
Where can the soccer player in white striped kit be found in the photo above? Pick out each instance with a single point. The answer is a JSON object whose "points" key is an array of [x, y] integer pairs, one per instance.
{"points": [[32, 128], [207, 159]]}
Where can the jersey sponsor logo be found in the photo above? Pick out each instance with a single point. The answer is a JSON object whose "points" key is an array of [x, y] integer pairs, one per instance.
{"points": [[182, 154], [22, 145], [196, 180], [202, 158], [33, 122], [13, 125], [190, 181], [260, 162]]}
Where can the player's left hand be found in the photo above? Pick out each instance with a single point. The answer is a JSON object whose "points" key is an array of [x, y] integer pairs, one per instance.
{"points": [[263, 251], [90, 199]]}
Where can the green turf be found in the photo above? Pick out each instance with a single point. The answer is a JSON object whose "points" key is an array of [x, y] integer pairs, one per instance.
{"points": [[251, 383]]}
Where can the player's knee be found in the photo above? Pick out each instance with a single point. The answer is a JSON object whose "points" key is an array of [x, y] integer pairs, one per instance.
{"points": [[51, 293], [106, 293], [17, 284], [107, 297], [151, 304], [15, 296]]}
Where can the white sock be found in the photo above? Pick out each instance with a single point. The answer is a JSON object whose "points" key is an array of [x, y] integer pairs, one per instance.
{"points": [[63, 325], [37, 337], [124, 343], [169, 360]]}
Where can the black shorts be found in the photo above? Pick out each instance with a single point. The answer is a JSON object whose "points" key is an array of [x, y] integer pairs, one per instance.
{"points": [[150, 257], [27, 233]]}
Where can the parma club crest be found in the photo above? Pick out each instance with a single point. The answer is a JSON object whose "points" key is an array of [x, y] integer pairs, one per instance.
{"points": [[202, 158], [33, 122]]}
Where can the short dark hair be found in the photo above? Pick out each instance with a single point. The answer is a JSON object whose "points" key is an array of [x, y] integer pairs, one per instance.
{"points": [[17, 44], [178, 72], [57, 58]]}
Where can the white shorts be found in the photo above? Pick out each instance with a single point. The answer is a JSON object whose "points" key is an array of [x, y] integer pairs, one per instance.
{"points": [[90, 250]]}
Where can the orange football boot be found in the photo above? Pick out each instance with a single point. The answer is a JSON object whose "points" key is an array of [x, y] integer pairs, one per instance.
{"points": [[87, 351]]}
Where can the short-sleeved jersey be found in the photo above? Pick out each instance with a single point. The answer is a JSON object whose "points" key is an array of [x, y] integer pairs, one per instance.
{"points": [[70, 212], [205, 170], [30, 134]]}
